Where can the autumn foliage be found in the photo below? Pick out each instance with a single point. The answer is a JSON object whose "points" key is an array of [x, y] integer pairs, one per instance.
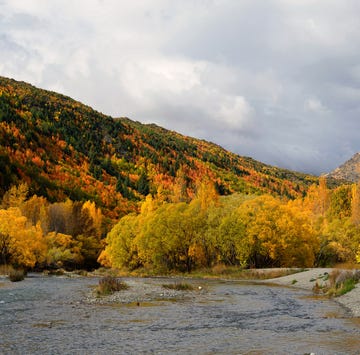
{"points": [[79, 188], [36, 233], [64, 149], [243, 230]]}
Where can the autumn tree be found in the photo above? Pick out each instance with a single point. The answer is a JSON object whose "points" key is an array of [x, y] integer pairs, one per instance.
{"points": [[15, 196], [62, 250], [21, 244], [121, 250], [278, 234], [355, 203]]}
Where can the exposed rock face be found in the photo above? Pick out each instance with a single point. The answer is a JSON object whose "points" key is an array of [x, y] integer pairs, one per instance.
{"points": [[349, 171]]}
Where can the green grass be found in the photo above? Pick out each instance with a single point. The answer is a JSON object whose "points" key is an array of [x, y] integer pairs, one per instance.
{"points": [[341, 282], [346, 287]]}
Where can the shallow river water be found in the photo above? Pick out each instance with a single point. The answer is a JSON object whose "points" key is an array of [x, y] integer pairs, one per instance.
{"points": [[48, 315]]}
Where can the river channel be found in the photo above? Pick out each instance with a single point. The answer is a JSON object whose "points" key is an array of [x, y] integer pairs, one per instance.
{"points": [[48, 315]]}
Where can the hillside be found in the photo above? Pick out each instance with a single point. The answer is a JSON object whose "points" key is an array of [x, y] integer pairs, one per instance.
{"points": [[349, 171], [63, 148]]}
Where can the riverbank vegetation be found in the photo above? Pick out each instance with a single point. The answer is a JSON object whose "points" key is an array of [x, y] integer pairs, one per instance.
{"points": [[35, 233], [110, 284], [208, 233], [243, 231], [341, 282], [16, 275]]}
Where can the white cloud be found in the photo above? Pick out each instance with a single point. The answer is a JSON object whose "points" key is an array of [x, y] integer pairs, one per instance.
{"points": [[315, 105]]}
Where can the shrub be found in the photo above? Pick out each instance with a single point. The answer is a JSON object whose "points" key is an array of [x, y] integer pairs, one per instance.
{"points": [[16, 275], [109, 284], [179, 286], [341, 282], [56, 272], [5, 269]]}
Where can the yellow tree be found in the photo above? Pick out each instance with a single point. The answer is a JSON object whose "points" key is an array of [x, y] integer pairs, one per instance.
{"points": [[168, 236], [355, 203], [15, 196], [33, 209], [62, 249], [120, 250], [21, 244], [317, 199], [95, 214], [279, 235]]}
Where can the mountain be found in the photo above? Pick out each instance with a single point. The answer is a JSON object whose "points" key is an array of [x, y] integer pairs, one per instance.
{"points": [[65, 149], [349, 171]]}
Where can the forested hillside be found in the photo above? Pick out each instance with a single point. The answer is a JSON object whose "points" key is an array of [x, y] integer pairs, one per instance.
{"points": [[78, 187], [64, 149]]}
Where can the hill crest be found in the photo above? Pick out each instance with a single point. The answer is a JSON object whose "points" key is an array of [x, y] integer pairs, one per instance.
{"points": [[349, 171]]}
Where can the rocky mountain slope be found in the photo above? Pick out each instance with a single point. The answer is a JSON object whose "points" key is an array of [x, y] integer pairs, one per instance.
{"points": [[349, 171]]}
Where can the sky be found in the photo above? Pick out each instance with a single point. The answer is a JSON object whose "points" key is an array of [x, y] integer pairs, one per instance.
{"points": [[276, 80]]}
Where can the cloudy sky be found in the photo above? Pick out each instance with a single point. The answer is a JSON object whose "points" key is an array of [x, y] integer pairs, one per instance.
{"points": [[277, 80]]}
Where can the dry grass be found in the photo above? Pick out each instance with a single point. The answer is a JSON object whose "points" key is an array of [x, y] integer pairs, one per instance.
{"points": [[109, 284], [5, 269], [217, 271], [235, 272], [340, 282], [16, 275], [347, 266], [179, 286]]}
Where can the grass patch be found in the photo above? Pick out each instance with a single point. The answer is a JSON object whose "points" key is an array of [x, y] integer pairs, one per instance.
{"points": [[216, 272], [346, 287], [16, 275], [109, 284], [179, 286], [5, 269], [235, 272], [342, 282]]}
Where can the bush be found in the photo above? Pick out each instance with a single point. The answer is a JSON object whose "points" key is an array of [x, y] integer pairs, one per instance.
{"points": [[109, 284], [180, 286], [341, 282], [16, 275], [6, 269]]}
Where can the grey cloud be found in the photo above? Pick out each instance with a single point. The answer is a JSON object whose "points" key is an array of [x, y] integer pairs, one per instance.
{"points": [[276, 80]]}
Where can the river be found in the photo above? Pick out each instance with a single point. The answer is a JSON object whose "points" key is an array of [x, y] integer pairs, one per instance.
{"points": [[48, 315]]}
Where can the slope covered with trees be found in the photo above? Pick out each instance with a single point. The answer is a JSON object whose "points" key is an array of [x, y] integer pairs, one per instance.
{"points": [[78, 187], [64, 149]]}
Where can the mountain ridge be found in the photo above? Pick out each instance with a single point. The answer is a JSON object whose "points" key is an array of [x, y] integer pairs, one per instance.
{"points": [[348, 171]]}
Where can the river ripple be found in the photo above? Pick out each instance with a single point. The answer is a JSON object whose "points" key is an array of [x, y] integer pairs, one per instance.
{"points": [[48, 315]]}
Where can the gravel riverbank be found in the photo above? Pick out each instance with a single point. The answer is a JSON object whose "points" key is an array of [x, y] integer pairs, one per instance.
{"points": [[307, 279], [144, 290]]}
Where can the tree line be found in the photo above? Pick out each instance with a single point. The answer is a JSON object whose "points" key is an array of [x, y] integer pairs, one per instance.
{"points": [[178, 234], [37, 234], [319, 229]]}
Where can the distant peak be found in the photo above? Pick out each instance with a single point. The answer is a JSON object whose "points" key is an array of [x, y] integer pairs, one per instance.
{"points": [[349, 171]]}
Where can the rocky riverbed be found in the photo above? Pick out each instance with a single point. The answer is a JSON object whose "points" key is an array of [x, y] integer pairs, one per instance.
{"points": [[307, 279], [63, 315], [144, 290]]}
